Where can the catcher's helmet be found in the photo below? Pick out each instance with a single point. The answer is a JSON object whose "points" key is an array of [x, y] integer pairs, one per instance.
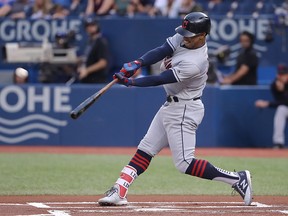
{"points": [[194, 23]]}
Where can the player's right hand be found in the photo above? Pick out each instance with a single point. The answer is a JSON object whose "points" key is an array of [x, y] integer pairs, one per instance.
{"points": [[130, 68], [122, 79]]}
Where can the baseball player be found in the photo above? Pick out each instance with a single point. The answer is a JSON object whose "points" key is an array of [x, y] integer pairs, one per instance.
{"points": [[184, 68], [279, 89]]}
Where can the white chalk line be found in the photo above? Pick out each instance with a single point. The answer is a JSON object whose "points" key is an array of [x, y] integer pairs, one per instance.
{"points": [[52, 212], [234, 207], [161, 207], [59, 213], [35, 215], [158, 203], [211, 212], [13, 204], [38, 205], [261, 205]]}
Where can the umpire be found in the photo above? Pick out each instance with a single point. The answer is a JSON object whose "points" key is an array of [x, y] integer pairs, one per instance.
{"points": [[95, 64]]}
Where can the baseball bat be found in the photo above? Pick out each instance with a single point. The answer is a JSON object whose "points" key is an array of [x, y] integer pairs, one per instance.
{"points": [[74, 114]]}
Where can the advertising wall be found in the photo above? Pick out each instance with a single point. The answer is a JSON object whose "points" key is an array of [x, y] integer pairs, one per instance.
{"points": [[39, 115], [130, 38]]}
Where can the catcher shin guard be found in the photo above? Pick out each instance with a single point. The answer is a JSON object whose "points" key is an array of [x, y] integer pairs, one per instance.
{"points": [[128, 175], [204, 169]]}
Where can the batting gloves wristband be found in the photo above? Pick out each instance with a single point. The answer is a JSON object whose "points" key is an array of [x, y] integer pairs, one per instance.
{"points": [[122, 79], [129, 69]]}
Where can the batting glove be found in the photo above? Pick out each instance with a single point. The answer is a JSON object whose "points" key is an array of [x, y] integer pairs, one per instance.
{"points": [[129, 69], [122, 79]]}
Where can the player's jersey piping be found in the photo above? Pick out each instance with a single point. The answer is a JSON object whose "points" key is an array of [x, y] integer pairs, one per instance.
{"points": [[182, 138]]}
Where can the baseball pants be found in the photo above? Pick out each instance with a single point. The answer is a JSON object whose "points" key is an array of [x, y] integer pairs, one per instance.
{"points": [[175, 125], [279, 124]]}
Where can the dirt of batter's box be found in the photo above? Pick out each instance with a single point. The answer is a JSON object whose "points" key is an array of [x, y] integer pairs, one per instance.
{"points": [[270, 200], [153, 205]]}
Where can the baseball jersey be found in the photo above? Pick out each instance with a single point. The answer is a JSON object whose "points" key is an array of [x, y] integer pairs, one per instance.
{"points": [[190, 68]]}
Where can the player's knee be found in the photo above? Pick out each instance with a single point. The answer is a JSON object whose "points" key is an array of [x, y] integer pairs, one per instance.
{"points": [[182, 166]]}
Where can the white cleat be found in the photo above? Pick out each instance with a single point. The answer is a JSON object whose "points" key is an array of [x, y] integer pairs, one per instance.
{"points": [[244, 187], [112, 198]]}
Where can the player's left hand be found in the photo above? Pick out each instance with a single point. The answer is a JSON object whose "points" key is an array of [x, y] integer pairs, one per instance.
{"points": [[129, 69], [122, 79]]}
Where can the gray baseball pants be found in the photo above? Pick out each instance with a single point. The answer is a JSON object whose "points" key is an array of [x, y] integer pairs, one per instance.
{"points": [[175, 125], [279, 124]]}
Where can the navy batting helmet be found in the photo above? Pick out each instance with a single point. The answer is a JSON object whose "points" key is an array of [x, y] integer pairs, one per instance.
{"points": [[194, 23]]}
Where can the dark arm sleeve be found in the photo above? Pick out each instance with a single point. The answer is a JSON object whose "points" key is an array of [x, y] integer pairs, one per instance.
{"points": [[164, 78], [157, 54]]}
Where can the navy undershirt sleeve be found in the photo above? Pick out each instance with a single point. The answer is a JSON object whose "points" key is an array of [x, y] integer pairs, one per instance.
{"points": [[164, 78], [157, 54]]}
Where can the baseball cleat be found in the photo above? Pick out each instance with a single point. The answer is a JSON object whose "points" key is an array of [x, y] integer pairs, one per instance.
{"points": [[244, 186], [112, 198]]}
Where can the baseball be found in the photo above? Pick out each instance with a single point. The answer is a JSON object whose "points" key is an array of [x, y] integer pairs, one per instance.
{"points": [[21, 72]]}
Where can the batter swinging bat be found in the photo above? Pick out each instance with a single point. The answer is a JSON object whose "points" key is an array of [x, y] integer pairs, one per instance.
{"points": [[89, 101]]}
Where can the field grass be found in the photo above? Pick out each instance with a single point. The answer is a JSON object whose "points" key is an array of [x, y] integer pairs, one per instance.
{"points": [[35, 174]]}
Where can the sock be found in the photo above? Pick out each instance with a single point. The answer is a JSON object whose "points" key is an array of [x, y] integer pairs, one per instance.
{"points": [[204, 169], [138, 164], [140, 161]]}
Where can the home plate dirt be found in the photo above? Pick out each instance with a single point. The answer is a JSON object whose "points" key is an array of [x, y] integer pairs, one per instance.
{"points": [[142, 205]]}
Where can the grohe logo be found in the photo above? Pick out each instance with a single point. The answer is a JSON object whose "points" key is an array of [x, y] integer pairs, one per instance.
{"points": [[21, 104], [227, 31]]}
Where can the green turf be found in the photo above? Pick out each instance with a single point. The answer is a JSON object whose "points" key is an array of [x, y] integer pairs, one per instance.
{"points": [[23, 174]]}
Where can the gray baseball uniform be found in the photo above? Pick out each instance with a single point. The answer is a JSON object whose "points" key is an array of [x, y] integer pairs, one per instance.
{"points": [[279, 124], [175, 123]]}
